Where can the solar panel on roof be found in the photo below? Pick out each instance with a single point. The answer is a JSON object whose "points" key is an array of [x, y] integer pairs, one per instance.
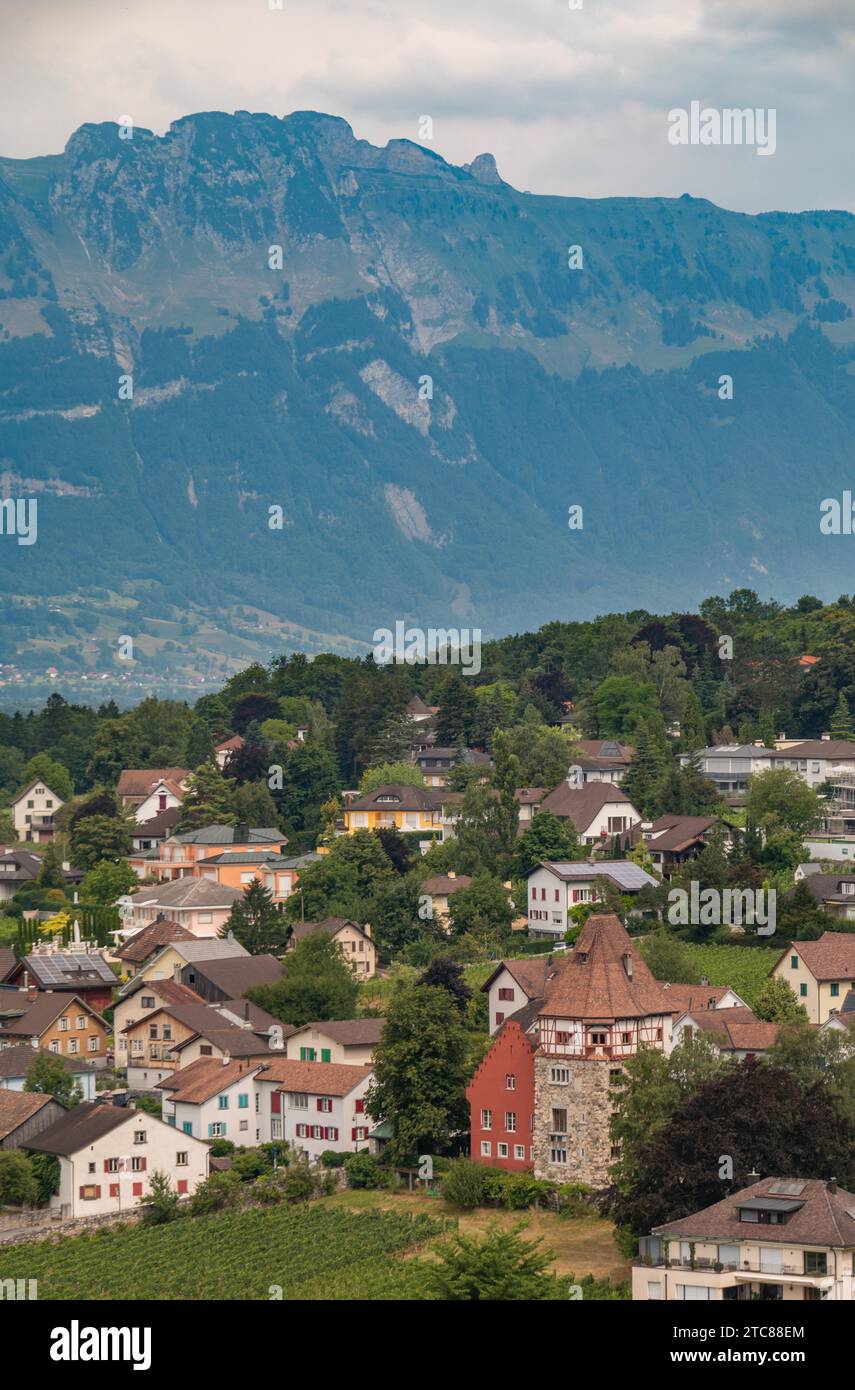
{"points": [[787, 1189]]}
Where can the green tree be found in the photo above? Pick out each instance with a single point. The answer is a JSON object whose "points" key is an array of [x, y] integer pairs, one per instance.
{"points": [[498, 1267], [48, 1075], [780, 800], [344, 882], [841, 720], [309, 778], [620, 703], [108, 881], [545, 839], [775, 1001], [255, 921], [46, 1173], [801, 918], [50, 875], [18, 1185], [421, 1068], [404, 774], [457, 710], [209, 800], [669, 960], [644, 775], [161, 1202], [482, 911], [316, 983], [97, 838], [693, 731], [44, 768], [544, 754]]}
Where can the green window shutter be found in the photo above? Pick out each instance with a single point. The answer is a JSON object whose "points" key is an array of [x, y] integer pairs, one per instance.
{"points": [[303, 1057], [325, 1054], [187, 1126], [243, 1102]]}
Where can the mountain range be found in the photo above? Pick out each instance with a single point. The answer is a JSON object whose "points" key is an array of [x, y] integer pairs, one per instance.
{"points": [[274, 386]]}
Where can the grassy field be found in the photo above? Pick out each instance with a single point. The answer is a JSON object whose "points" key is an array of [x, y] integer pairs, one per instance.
{"points": [[744, 968], [355, 1245]]}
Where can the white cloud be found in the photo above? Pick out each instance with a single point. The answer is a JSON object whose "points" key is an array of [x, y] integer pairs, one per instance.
{"points": [[569, 101]]}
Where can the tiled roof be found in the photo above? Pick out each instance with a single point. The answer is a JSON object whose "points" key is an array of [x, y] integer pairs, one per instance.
{"points": [[832, 957], [333, 925], [159, 826], [149, 939], [42, 1012], [227, 835], [18, 1106], [16, 1061], [685, 998], [737, 1030], [314, 1078], [826, 1217], [350, 1032], [677, 832], [140, 781], [530, 975], [8, 961], [186, 892], [204, 1078], [239, 973], [819, 748], [82, 1126], [443, 884], [404, 798], [582, 804], [605, 978]]}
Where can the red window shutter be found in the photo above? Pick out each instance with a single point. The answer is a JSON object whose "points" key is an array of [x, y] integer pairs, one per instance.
{"points": [[106, 1165], [359, 1107], [182, 1186], [353, 1134], [333, 1134], [142, 1166], [320, 1103], [82, 1190], [137, 1189], [276, 1103], [114, 1189]]}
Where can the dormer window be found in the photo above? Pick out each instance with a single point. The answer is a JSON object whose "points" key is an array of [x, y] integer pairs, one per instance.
{"points": [[388, 800]]}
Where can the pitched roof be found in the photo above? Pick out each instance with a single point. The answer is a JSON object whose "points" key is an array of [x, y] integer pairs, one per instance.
{"points": [[333, 925], [738, 1029], [604, 753], [530, 796], [605, 978], [205, 1021], [832, 957], [418, 706], [42, 1012], [226, 835], [828, 887], [350, 1032], [688, 998], [159, 826], [186, 892], [239, 973], [18, 1106], [229, 743], [8, 961], [399, 797], [582, 804], [314, 1078], [204, 1078], [80, 1127], [35, 782], [530, 975], [167, 991], [623, 872], [819, 748], [140, 781], [16, 1061], [244, 1011], [69, 970], [825, 1217], [443, 884], [677, 832], [27, 866], [147, 940]]}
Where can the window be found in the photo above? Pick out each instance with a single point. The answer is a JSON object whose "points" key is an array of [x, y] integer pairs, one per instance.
{"points": [[223, 1102], [187, 1126], [217, 1129], [80, 1021], [152, 1030], [816, 1262], [510, 1082], [559, 1122], [506, 994], [138, 1164], [502, 1150], [243, 1101], [298, 1101], [654, 1289], [559, 1076], [147, 1002], [276, 1129], [307, 1054], [325, 1105], [359, 1132], [794, 962], [63, 1025], [181, 1158], [486, 1148], [136, 1189], [835, 990], [486, 1119], [73, 1046], [803, 990], [139, 1136], [510, 1121], [114, 1189], [92, 1043], [90, 1193], [500, 1018], [359, 1107], [519, 1151], [557, 1155], [243, 1124]]}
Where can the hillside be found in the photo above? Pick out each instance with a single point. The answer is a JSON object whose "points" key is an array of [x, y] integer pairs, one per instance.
{"points": [[299, 388]]}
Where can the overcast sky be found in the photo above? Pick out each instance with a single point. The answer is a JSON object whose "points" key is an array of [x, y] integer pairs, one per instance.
{"points": [[569, 101]]}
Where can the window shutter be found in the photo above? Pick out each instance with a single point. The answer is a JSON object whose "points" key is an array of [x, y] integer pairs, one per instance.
{"points": [[98, 1191], [320, 1103], [359, 1107], [82, 1190], [142, 1165], [106, 1165], [353, 1134], [333, 1134]]}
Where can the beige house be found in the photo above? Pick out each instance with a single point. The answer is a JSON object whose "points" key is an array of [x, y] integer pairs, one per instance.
{"points": [[353, 941], [195, 903], [162, 965], [778, 1239], [440, 888], [350, 1041], [33, 811], [820, 973]]}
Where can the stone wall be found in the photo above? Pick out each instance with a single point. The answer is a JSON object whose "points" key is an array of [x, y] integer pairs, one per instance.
{"points": [[587, 1100]]}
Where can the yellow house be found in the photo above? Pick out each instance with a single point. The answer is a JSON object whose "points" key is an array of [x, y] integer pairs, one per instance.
{"points": [[396, 807], [161, 966], [820, 973]]}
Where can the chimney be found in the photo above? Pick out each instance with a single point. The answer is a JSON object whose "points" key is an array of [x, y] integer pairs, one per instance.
{"points": [[831, 1186], [704, 980], [246, 1010], [782, 738], [825, 737], [452, 873], [176, 973], [225, 1059], [367, 929], [627, 964], [241, 834]]}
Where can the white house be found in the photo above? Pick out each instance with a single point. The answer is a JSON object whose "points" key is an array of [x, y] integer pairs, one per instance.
{"points": [[33, 811], [552, 889], [166, 795], [315, 1106], [596, 809], [215, 1098], [513, 985], [350, 1041], [107, 1155], [16, 1061]]}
